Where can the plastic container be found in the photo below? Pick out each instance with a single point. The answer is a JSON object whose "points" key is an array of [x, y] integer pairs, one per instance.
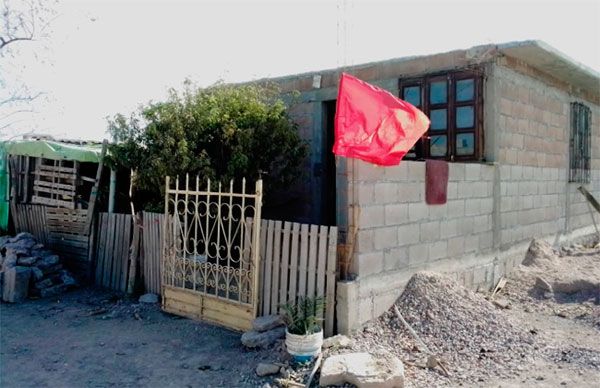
{"points": [[304, 347]]}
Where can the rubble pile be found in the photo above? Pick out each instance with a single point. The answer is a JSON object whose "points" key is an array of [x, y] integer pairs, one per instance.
{"points": [[462, 328], [28, 269]]}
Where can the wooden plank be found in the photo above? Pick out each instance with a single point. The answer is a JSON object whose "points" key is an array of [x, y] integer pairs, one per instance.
{"points": [[291, 296], [263, 259], [312, 261], [331, 281], [125, 250], [52, 202], [156, 253], [321, 261], [63, 186], [303, 265], [40, 174], [216, 317], [45, 167], [268, 269], [108, 253], [94, 192], [285, 263], [101, 244], [194, 298], [276, 269], [53, 191], [117, 253]]}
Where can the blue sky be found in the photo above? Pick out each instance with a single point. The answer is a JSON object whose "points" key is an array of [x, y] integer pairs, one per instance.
{"points": [[105, 57]]}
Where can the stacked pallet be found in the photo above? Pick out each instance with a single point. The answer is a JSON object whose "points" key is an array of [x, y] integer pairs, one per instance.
{"points": [[55, 183]]}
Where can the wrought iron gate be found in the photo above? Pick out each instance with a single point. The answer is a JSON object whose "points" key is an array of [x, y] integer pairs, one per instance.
{"points": [[211, 252]]}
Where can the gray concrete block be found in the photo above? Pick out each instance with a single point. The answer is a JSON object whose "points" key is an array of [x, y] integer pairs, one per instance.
{"points": [[16, 284]]}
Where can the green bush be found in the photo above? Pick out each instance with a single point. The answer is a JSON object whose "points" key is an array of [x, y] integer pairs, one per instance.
{"points": [[222, 132]]}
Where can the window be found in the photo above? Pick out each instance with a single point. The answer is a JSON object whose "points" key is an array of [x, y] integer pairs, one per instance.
{"points": [[580, 143], [453, 103]]}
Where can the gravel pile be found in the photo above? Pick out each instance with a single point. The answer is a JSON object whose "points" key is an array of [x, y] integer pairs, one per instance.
{"points": [[466, 330]]}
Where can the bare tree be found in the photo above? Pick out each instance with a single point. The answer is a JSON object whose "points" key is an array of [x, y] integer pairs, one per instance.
{"points": [[21, 22]]}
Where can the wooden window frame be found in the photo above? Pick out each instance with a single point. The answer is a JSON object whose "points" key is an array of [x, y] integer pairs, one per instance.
{"points": [[451, 78]]}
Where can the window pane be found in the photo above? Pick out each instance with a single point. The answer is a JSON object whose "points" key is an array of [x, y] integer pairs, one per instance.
{"points": [[438, 119], [438, 93], [412, 94], [465, 90], [465, 144], [438, 145], [465, 117]]}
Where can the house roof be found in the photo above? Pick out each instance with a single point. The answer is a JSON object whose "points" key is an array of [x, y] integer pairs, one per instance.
{"points": [[534, 53], [549, 60]]}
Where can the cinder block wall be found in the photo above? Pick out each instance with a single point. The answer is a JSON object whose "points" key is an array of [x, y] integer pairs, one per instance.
{"points": [[493, 209], [532, 131]]}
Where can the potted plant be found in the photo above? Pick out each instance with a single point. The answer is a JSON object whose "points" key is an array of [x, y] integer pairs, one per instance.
{"points": [[304, 333]]}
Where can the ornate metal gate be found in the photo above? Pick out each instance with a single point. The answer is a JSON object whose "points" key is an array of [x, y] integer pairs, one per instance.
{"points": [[211, 253]]}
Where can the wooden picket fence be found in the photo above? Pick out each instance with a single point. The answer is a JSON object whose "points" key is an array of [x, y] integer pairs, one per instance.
{"points": [[112, 250], [298, 260]]}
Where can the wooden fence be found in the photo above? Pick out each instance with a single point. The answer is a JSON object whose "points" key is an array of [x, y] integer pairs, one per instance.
{"points": [[112, 250], [32, 219], [153, 224], [298, 260]]}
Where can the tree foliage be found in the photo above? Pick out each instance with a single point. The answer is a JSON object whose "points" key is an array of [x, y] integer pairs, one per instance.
{"points": [[222, 132]]}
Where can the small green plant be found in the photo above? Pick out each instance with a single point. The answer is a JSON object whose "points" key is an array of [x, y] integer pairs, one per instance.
{"points": [[302, 317]]}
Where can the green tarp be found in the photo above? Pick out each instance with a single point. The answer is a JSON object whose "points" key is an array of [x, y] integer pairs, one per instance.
{"points": [[3, 189], [55, 150], [39, 149]]}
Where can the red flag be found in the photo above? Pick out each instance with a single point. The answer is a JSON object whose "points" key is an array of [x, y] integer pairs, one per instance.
{"points": [[373, 125]]}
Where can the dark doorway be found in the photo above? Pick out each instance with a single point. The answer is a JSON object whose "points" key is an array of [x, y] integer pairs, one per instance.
{"points": [[328, 186]]}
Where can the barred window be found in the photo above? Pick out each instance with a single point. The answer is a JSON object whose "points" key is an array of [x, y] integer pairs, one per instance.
{"points": [[580, 143]]}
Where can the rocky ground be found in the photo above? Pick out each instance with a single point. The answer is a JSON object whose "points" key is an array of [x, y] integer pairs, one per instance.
{"points": [[525, 336], [541, 329]]}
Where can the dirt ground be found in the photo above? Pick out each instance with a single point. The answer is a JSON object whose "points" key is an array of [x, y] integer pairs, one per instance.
{"points": [[91, 338], [94, 338]]}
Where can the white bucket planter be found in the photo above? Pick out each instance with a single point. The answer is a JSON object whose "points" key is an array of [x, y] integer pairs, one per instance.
{"points": [[304, 347]]}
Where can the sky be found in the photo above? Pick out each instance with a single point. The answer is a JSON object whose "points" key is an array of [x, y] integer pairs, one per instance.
{"points": [[106, 57]]}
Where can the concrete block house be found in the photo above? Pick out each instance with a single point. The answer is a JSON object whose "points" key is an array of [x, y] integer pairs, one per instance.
{"points": [[519, 124]]}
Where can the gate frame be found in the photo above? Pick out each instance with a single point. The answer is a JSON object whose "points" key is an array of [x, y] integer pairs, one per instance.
{"points": [[196, 304]]}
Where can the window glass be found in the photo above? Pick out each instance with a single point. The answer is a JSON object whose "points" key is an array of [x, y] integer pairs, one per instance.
{"points": [[438, 145], [465, 144], [438, 93], [465, 117], [465, 90], [412, 94], [438, 119]]}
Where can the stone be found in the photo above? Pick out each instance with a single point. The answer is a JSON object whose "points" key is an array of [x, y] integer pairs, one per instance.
{"points": [[266, 369], [255, 339], [50, 270], [4, 241], [66, 278], [27, 261], [542, 285], [149, 298], [502, 303], [572, 285], [48, 261], [23, 236], [52, 291], [37, 273], [363, 370], [43, 284], [337, 341], [267, 322], [16, 284]]}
